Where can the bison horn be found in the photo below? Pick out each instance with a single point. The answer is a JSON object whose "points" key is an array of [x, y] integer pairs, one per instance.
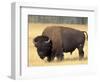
{"points": [[47, 41]]}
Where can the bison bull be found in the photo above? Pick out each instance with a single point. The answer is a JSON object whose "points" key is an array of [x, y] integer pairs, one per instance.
{"points": [[58, 39]]}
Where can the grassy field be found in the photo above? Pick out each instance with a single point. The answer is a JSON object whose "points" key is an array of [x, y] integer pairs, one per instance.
{"points": [[33, 58]]}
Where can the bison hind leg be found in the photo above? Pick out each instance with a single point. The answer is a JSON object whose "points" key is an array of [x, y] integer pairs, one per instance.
{"points": [[81, 52], [81, 55], [71, 52]]}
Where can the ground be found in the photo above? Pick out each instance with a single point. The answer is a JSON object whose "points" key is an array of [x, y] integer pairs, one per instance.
{"points": [[33, 58]]}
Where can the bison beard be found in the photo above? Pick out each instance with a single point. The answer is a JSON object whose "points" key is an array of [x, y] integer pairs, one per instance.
{"points": [[61, 39]]}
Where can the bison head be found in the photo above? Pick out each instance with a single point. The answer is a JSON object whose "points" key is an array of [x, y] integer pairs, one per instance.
{"points": [[43, 45]]}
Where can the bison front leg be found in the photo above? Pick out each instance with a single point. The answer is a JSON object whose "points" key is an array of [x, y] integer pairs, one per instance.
{"points": [[50, 58], [60, 56]]}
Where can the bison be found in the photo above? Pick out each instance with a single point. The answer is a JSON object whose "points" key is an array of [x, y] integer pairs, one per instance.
{"points": [[58, 39]]}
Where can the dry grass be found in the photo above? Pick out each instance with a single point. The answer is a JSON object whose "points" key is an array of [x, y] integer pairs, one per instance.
{"points": [[33, 58]]}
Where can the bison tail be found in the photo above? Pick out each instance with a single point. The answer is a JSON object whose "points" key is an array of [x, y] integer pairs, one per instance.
{"points": [[86, 34]]}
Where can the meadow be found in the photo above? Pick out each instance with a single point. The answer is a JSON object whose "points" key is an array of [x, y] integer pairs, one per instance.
{"points": [[36, 29]]}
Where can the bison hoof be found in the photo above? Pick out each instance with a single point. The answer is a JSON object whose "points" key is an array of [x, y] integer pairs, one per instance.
{"points": [[60, 58], [81, 58], [49, 59]]}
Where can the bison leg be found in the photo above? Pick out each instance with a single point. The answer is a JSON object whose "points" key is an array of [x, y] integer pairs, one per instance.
{"points": [[81, 52], [60, 56], [50, 58], [71, 52]]}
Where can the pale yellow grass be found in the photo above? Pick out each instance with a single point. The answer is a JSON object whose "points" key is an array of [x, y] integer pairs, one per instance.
{"points": [[33, 58]]}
